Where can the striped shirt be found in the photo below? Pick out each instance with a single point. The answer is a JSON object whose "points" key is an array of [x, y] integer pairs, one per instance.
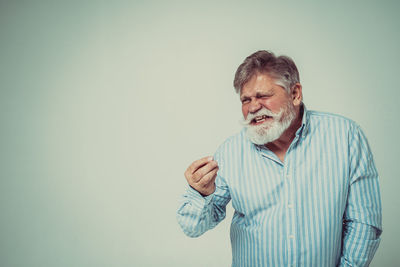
{"points": [[320, 207]]}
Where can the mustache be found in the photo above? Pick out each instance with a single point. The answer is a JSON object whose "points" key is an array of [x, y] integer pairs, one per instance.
{"points": [[261, 112]]}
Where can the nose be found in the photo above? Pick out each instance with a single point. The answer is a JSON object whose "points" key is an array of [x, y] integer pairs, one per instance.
{"points": [[254, 106]]}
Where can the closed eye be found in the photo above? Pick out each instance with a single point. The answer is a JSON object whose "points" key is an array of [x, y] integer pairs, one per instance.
{"points": [[264, 96], [245, 100]]}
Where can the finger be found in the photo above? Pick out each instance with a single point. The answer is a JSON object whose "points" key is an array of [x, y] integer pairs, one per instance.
{"points": [[207, 185], [198, 164], [209, 178], [201, 172]]}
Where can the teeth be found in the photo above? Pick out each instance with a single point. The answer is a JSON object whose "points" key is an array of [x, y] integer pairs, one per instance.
{"points": [[260, 118]]}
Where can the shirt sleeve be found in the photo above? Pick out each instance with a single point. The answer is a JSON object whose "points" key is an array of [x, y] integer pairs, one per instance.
{"points": [[362, 221], [197, 214]]}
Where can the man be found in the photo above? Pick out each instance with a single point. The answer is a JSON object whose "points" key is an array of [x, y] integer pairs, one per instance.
{"points": [[303, 183]]}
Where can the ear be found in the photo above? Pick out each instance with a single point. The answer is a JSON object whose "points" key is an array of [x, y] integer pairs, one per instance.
{"points": [[296, 94]]}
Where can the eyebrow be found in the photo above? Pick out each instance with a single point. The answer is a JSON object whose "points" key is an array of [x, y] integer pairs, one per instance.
{"points": [[262, 94], [258, 94]]}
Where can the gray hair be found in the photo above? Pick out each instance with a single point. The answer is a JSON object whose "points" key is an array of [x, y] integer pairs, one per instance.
{"points": [[281, 68]]}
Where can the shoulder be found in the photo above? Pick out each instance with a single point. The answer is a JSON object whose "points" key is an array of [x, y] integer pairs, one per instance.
{"points": [[331, 120]]}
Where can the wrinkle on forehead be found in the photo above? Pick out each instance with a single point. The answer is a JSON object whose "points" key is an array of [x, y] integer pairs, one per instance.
{"points": [[259, 83]]}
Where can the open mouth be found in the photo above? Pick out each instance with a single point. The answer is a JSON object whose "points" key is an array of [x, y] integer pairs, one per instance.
{"points": [[260, 119]]}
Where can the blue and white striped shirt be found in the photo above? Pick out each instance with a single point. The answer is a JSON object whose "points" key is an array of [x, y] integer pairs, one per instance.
{"points": [[320, 207]]}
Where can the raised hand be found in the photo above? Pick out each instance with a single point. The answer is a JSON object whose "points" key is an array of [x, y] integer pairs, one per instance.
{"points": [[201, 175]]}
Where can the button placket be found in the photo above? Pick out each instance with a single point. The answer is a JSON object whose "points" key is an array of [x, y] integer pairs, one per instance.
{"points": [[291, 218]]}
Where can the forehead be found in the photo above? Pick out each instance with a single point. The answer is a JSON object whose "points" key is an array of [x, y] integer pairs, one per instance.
{"points": [[259, 82]]}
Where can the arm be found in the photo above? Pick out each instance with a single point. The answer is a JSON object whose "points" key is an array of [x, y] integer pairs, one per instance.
{"points": [[362, 221], [205, 200]]}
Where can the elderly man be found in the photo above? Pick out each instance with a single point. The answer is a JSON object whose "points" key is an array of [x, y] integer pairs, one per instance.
{"points": [[303, 183]]}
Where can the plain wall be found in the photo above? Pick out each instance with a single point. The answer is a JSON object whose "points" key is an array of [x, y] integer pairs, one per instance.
{"points": [[104, 104]]}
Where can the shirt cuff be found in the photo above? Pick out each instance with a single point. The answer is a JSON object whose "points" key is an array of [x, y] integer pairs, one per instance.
{"points": [[198, 200]]}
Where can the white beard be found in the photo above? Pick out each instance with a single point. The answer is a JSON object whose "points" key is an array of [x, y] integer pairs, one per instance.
{"points": [[269, 131]]}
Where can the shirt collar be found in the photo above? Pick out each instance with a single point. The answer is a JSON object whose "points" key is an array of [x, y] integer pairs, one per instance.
{"points": [[303, 130]]}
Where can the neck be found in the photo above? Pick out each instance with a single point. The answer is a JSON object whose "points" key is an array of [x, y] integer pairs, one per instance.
{"points": [[281, 145]]}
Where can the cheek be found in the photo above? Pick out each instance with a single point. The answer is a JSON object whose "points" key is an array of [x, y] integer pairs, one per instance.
{"points": [[267, 104], [273, 105]]}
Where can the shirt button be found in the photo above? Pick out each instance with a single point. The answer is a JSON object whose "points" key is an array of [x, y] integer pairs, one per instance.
{"points": [[291, 236]]}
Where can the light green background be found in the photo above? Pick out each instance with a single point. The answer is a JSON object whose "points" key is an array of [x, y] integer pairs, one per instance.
{"points": [[105, 103]]}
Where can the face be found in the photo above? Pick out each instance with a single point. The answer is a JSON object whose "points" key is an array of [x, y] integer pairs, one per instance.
{"points": [[262, 92], [268, 109]]}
